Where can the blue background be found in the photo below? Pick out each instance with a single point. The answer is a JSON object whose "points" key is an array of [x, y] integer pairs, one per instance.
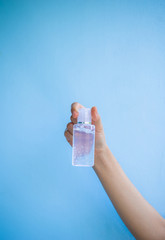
{"points": [[109, 54]]}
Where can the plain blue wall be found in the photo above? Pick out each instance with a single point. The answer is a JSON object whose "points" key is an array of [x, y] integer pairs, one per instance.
{"points": [[109, 54]]}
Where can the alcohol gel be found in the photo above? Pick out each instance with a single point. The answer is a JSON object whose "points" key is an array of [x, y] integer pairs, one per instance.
{"points": [[83, 140]]}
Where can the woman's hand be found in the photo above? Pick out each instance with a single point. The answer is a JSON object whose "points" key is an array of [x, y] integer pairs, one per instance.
{"points": [[139, 216], [100, 142]]}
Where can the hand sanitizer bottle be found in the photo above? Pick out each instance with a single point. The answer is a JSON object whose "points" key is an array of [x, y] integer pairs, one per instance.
{"points": [[83, 140]]}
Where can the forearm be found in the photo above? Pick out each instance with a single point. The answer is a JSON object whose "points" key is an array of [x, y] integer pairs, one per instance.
{"points": [[139, 216]]}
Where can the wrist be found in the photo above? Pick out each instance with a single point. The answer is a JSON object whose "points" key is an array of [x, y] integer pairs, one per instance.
{"points": [[103, 157]]}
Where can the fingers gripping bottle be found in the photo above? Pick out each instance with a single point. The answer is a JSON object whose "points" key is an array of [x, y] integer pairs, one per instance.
{"points": [[83, 140]]}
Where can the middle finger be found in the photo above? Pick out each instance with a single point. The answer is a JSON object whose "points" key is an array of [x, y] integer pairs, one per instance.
{"points": [[74, 120]]}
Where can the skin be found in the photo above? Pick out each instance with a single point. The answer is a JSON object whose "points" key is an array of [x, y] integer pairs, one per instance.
{"points": [[143, 221]]}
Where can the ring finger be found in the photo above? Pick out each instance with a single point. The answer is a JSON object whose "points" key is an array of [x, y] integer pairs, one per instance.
{"points": [[69, 137], [70, 127]]}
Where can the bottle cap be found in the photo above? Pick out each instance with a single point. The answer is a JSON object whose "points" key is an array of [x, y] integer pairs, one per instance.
{"points": [[84, 116]]}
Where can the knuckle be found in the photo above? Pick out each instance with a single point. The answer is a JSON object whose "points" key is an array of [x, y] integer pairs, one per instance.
{"points": [[73, 104]]}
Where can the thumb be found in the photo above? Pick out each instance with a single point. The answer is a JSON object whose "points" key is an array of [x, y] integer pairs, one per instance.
{"points": [[96, 119]]}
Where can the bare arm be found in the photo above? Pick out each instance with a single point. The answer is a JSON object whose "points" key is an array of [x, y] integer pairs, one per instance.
{"points": [[140, 217]]}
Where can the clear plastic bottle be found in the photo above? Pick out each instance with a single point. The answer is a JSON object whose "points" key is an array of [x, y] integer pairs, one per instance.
{"points": [[83, 140]]}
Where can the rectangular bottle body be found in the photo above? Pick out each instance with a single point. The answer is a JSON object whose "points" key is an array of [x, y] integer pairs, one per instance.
{"points": [[83, 145]]}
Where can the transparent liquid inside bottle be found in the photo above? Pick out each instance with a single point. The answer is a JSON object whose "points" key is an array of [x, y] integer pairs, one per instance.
{"points": [[83, 145]]}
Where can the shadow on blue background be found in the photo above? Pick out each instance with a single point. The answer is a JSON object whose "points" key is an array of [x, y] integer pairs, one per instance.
{"points": [[109, 54]]}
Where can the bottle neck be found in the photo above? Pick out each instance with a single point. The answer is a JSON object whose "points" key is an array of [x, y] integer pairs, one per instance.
{"points": [[83, 122]]}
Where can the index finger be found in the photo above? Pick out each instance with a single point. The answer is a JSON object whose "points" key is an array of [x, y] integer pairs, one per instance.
{"points": [[74, 109]]}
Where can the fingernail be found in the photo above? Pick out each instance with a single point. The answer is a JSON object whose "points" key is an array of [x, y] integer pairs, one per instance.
{"points": [[95, 118]]}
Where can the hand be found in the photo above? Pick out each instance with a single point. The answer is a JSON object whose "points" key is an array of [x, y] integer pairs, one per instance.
{"points": [[100, 142]]}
